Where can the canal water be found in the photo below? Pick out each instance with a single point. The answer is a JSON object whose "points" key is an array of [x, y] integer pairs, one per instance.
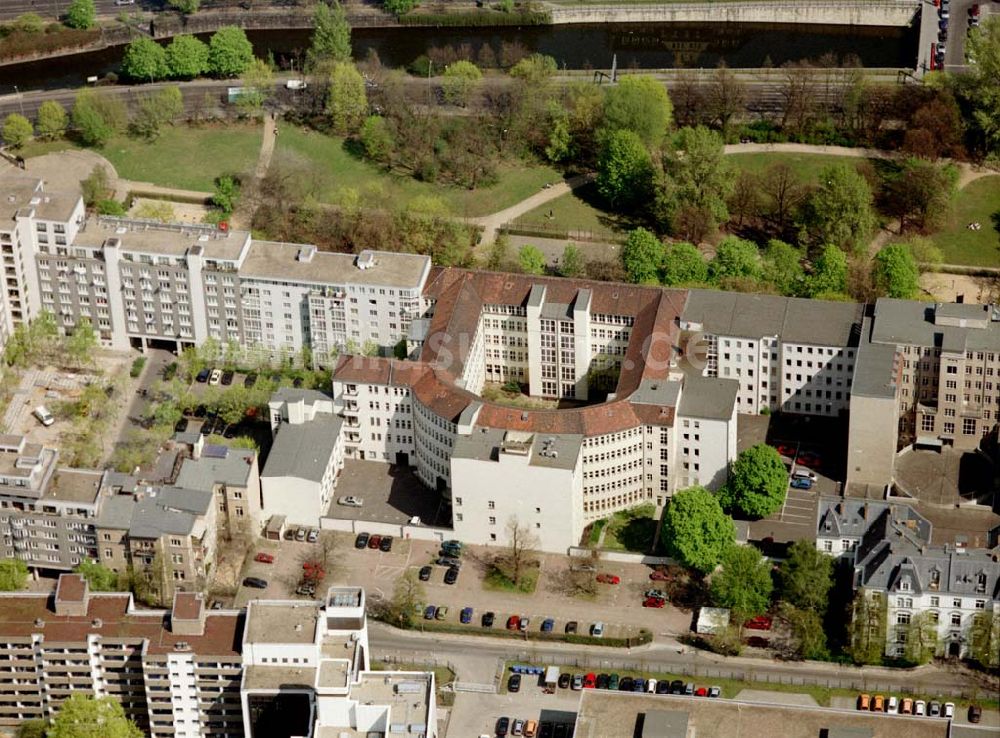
{"points": [[636, 45]]}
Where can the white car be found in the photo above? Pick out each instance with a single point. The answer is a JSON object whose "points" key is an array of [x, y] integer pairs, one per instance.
{"points": [[313, 535], [43, 415], [919, 707], [351, 501], [651, 686], [215, 377], [597, 630], [124, 2], [892, 705], [949, 710]]}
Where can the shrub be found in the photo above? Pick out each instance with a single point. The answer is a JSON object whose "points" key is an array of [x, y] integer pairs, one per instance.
{"points": [[137, 365]]}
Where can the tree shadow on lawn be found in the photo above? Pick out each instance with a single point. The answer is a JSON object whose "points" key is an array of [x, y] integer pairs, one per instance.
{"points": [[637, 534], [589, 195]]}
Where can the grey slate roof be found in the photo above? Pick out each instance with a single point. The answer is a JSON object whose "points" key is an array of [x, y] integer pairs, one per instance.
{"points": [[708, 397], [303, 450], [851, 517], [549, 450], [656, 392], [911, 322], [206, 472], [795, 320], [160, 511], [875, 371]]}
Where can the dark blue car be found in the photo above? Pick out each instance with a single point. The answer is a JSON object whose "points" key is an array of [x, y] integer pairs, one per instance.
{"points": [[547, 625], [429, 612], [466, 615]]}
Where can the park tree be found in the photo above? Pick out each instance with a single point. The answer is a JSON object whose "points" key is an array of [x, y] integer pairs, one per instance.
{"points": [[81, 343], [156, 110], [13, 575], [639, 104], [99, 578], [498, 254], [229, 52], [839, 211], [534, 70], [921, 194], [922, 639], [331, 41], [745, 201], [979, 83], [346, 102], [744, 583], [642, 257], [36, 728], [258, 86], [83, 716], [935, 129], [984, 639], [377, 139], [519, 555], [683, 264], [531, 260], [895, 272], [460, 81], [226, 192], [560, 141], [81, 14], [17, 130], [782, 193], [572, 264], [867, 629], [98, 117], [52, 119], [926, 253], [783, 267], [735, 258], [624, 170], [726, 98], [145, 60], [187, 57], [695, 529], [805, 577], [185, 6], [407, 595], [697, 176], [829, 275], [757, 482]]}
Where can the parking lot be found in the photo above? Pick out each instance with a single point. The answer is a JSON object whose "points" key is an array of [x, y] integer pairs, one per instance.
{"points": [[390, 494], [477, 714]]}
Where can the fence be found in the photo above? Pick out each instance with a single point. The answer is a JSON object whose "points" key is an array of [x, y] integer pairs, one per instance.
{"points": [[621, 557], [416, 532], [523, 227]]}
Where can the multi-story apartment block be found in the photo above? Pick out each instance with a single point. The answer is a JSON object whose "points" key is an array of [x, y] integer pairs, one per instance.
{"points": [[233, 478], [787, 354], [307, 672], [47, 514], [306, 456]]}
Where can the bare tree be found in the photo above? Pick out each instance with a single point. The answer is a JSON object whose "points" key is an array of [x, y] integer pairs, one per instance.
{"points": [[233, 543], [407, 595], [519, 555], [798, 95], [727, 97], [784, 191], [575, 583], [688, 98], [745, 202]]}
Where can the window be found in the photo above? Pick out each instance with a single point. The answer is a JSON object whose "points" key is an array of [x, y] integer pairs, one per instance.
{"points": [[957, 602], [491, 505], [828, 545], [176, 542], [980, 604], [492, 520], [902, 618], [956, 618], [934, 601], [968, 426]]}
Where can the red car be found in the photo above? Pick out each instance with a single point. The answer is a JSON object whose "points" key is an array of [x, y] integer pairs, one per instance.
{"points": [[809, 459], [513, 622], [609, 578], [264, 558], [659, 576], [761, 622], [933, 60], [785, 450], [590, 681], [654, 602], [374, 541], [701, 692]]}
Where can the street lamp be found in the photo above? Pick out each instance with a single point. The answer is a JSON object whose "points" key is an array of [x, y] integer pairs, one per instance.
{"points": [[20, 101]]}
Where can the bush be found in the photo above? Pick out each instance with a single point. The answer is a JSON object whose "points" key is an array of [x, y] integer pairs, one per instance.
{"points": [[137, 365], [28, 23], [170, 371]]}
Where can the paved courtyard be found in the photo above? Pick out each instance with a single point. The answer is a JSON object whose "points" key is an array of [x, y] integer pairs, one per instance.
{"points": [[946, 477], [391, 494]]}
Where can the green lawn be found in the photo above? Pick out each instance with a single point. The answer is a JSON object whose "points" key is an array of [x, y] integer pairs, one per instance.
{"points": [[806, 166], [630, 530], [978, 202], [575, 211], [334, 167], [188, 158]]}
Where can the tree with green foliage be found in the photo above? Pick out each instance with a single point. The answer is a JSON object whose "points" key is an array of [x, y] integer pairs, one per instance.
{"points": [[459, 81], [839, 211], [807, 632], [29, 23], [226, 193], [829, 273], [407, 596], [783, 267], [695, 529], [535, 70], [895, 272], [96, 186], [743, 584], [331, 41], [697, 177], [979, 82], [229, 52], [82, 716], [735, 258], [81, 343], [867, 629], [560, 138], [13, 575], [17, 130], [499, 253], [805, 577], [531, 260], [572, 263], [156, 110], [187, 57], [36, 728], [185, 6], [922, 640], [757, 482], [624, 170], [399, 7], [642, 257], [683, 264], [639, 104], [984, 639], [99, 577], [81, 14], [377, 139], [921, 194], [52, 120], [346, 102], [258, 86], [98, 117], [145, 60]]}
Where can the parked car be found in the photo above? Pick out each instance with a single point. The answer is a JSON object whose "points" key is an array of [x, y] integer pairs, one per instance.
{"points": [[975, 713], [654, 602], [452, 548], [513, 622], [517, 728], [350, 501], [564, 680], [442, 612], [503, 725], [609, 578], [514, 683], [589, 681], [43, 416], [300, 535], [307, 589], [547, 625], [906, 706], [658, 593], [530, 728], [250, 380], [878, 703], [488, 618], [181, 425], [892, 705], [613, 681], [761, 622], [429, 612], [523, 623], [663, 687], [799, 483], [264, 558], [801, 473], [919, 707], [215, 377], [255, 582], [701, 692], [290, 534], [451, 576], [203, 375], [313, 535], [625, 684], [227, 377], [689, 689], [570, 627], [659, 576], [934, 709], [715, 691], [785, 449], [425, 573], [465, 617], [597, 630], [374, 542], [449, 561], [577, 683], [361, 541], [810, 459], [386, 544], [864, 702], [676, 687]]}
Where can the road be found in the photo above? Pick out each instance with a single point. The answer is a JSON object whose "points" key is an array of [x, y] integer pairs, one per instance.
{"points": [[10, 9]]}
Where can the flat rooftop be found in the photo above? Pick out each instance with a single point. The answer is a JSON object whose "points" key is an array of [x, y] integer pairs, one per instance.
{"points": [[620, 715], [74, 485], [409, 708], [333, 673], [168, 240], [282, 622], [279, 677], [273, 260]]}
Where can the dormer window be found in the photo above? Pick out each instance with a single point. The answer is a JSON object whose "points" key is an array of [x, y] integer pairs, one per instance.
{"points": [[935, 579], [981, 582], [904, 584]]}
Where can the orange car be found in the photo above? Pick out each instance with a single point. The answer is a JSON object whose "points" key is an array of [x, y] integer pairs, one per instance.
{"points": [[906, 706], [878, 704], [864, 702]]}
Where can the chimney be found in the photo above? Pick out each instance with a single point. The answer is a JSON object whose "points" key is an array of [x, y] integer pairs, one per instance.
{"points": [[864, 511], [839, 508], [72, 595], [187, 616]]}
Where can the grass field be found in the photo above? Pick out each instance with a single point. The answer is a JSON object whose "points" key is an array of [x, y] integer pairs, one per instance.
{"points": [[575, 211], [978, 202], [806, 166], [334, 167]]}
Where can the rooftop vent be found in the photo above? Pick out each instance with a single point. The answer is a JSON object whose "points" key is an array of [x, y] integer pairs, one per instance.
{"points": [[96, 623], [39, 623], [182, 646], [366, 259], [35, 200]]}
